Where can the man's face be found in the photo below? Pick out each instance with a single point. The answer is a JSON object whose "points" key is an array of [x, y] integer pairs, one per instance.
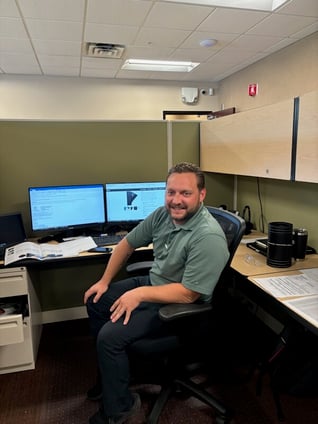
{"points": [[183, 197]]}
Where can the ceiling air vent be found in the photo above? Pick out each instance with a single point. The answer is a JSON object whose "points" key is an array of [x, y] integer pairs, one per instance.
{"points": [[106, 50]]}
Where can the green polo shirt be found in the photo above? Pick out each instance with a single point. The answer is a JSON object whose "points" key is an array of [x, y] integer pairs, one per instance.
{"points": [[194, 253]]}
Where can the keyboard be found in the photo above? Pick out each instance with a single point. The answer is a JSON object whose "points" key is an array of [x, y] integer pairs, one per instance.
{"points": [[108, 239]]}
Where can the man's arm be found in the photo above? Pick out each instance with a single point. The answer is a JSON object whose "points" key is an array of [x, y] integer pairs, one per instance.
{"points": [[166, 293], [116, 261]]}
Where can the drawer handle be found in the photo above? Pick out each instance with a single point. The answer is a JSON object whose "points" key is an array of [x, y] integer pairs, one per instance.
{"points": [[7, 325]]}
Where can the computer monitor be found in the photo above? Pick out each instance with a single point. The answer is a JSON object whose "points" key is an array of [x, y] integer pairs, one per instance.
{"points": [[68, 208], [12, 230], [129, 203]]}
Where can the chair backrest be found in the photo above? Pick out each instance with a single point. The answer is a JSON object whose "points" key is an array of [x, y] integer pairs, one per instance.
{"points": [[232, 225]]}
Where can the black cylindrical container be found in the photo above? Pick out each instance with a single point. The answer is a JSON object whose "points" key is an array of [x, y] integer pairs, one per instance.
{"points": [[300, 243], [280, 244]]}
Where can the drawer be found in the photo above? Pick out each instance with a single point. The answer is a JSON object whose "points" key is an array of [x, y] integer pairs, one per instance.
{"points": [[13, 283], [11, 329]]}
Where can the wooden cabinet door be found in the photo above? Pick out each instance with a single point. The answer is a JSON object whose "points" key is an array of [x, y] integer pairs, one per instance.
{"points": [[307, 139], [256, 142]]}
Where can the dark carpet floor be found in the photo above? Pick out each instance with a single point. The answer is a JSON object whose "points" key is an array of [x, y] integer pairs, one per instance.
{"points": [[55, 391]]}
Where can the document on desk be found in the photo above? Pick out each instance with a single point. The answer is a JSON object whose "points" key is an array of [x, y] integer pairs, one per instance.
{"points": [[307, 307], [303, 284], [47, 251]]}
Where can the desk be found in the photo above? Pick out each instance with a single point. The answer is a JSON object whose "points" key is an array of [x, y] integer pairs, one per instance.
{"points": [[288, 323], [50, 290], [287, 304], [60, 283], [249, 264]]}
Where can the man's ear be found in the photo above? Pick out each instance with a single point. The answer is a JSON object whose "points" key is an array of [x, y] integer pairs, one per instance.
{"points": [[202, 194]]}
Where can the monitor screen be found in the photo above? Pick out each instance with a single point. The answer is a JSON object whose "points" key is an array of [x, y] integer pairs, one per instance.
{"points": [[133, 202], [66, 207], [11, 229]]}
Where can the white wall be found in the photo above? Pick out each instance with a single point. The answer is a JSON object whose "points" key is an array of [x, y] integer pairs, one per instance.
{"points": [[283, 75], [56, 98]]}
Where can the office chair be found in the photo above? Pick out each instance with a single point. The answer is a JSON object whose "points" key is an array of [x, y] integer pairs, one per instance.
{"points": [[176, 343]]}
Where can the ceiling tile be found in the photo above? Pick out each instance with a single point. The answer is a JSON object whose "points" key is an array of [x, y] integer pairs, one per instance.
{"points": [[65, 10], [53, 33], [169, 15], [117, 34], [281, 25], [117, 12]]}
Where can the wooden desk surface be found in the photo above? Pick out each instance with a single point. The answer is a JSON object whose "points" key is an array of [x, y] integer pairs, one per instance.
{"points": [[247, 262]]}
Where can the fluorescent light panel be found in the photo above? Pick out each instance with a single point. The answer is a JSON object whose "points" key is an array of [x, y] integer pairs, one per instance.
{"points": [[159, 65], [266, 5]]}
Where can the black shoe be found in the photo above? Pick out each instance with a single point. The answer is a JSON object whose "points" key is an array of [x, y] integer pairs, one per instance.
{"points": [[95, 392], [100, 418]]}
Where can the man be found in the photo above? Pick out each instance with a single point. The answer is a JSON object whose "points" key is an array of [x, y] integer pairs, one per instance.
{"points": [[190, 252]]}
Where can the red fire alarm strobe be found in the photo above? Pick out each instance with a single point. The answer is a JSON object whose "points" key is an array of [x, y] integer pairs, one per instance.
{"points": [[252, 89]]}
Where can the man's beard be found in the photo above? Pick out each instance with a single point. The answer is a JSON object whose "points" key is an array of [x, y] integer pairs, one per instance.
{"points": [[188, 214]]}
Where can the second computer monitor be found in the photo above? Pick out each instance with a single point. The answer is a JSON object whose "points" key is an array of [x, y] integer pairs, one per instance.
{"points": [[129, 203]]}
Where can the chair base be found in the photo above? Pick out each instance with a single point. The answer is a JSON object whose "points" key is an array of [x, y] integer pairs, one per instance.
{"points": [[223, 414]]}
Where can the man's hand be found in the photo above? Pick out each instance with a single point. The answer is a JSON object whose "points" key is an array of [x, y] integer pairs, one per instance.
{"points": [[124, 305], [99, 288]]}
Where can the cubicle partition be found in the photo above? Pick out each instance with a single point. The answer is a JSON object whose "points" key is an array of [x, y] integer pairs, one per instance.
{"points": [[56, 153]]}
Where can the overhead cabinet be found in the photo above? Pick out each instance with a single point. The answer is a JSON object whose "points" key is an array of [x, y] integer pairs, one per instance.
{"points": [[276, 141], [256, 142], [307, 139]]}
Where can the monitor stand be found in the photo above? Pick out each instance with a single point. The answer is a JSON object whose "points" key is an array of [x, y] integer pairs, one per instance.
{"points": [[69, 233], [47, 239]]}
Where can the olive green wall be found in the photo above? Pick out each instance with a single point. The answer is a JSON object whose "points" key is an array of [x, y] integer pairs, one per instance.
{"points": [[293, 202], [183, 147], [53, 153]]}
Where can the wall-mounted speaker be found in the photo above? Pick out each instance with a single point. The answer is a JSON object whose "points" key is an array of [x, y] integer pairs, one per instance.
{"points": [[189, 95]]}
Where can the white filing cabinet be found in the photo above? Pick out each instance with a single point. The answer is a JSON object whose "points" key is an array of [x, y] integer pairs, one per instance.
{"points": [[19, 332]]}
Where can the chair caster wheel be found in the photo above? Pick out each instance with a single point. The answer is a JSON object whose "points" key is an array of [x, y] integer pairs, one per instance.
{"points": [[222, 420]]}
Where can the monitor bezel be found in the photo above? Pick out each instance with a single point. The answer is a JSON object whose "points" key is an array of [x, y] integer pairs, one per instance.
{"points": [[68, 228]]}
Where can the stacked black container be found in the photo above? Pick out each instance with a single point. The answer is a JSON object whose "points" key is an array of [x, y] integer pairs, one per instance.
{"points": [[280, 244]]}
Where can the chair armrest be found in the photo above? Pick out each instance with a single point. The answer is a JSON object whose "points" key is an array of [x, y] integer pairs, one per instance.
{"points": [[181, 310], [174, 310], [139, 266]]}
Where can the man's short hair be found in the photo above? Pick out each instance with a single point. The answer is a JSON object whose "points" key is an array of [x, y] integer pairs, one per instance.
{"points": [[185, 167]]}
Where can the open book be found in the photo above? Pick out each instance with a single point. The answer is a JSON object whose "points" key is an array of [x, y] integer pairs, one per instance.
{"points": [[45, 251]]}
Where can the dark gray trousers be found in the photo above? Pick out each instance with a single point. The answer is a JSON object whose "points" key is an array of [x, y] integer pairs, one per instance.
{"points": [[112, 340]]}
